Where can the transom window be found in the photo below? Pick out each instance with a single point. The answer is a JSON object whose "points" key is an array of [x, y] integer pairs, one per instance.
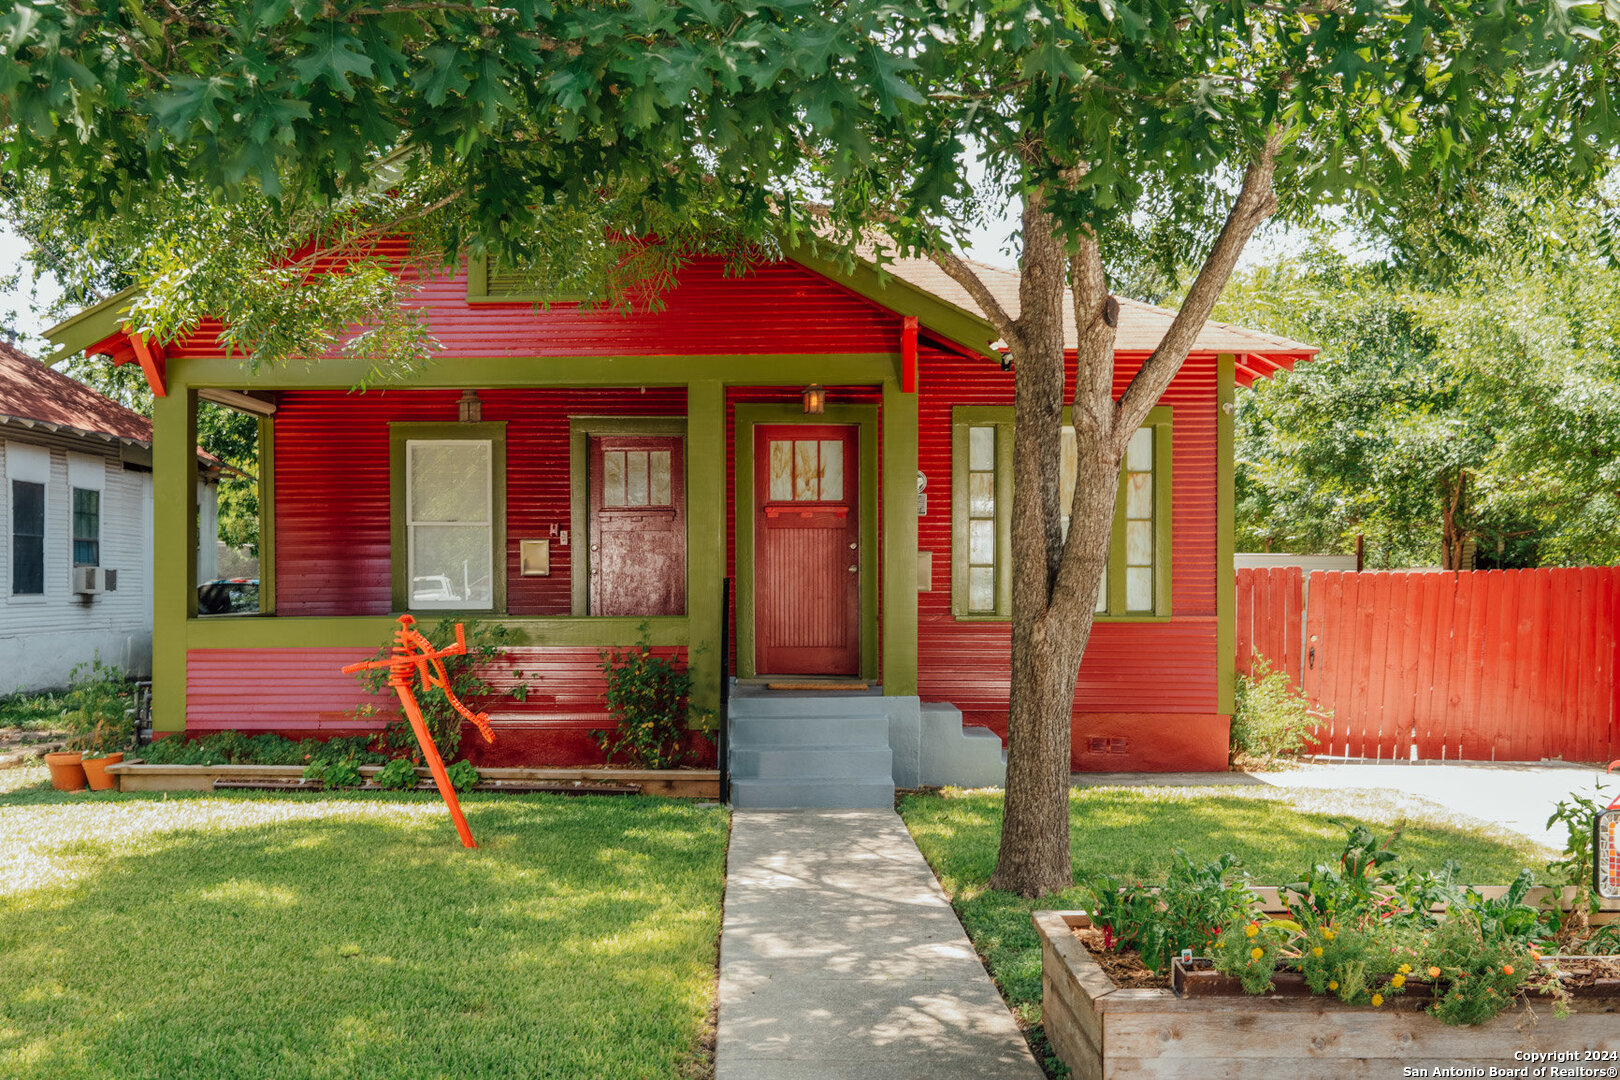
{"points": [[806, 470], [1136, 581], [449, 501]]}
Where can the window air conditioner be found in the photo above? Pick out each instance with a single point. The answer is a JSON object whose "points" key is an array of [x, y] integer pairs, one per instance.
{"points": [[90, 580]]}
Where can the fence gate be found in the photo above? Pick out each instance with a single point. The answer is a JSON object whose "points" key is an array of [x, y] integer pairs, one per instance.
{"points": [[1491, 665]]}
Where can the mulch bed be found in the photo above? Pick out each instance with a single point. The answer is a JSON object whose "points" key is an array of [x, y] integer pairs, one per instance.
{"points": [[1125, 968]]}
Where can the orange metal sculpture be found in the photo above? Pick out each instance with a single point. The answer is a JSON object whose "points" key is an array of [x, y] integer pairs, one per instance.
{"points": [[413, 653]]}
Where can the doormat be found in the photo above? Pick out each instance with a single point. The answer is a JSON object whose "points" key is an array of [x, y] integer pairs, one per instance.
{"points": [[817, 686]]}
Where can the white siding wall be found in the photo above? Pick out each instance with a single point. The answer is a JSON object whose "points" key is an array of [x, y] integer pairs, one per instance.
{"points": [[42, 638]]}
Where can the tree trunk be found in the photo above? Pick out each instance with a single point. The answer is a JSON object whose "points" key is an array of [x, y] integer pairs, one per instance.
{"points": [[1453, 538]]}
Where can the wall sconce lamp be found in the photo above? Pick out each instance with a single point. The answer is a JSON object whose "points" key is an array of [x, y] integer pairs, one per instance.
{"points": [[469, 410], [815, 399]]}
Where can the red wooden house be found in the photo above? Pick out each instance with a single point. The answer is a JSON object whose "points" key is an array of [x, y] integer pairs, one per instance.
{"points": [[577, 473]]}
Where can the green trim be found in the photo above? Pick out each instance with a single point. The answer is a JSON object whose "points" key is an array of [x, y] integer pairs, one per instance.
{"points": [[1225, 535], [487, 287], [1160, 417], [962, 418], [705, 537], [398, 435], [580, 429], [549, 372], [899, 622], [967, 328], [267, 515], [864, 417], [93, 324], [370, 631], [174, 529]]}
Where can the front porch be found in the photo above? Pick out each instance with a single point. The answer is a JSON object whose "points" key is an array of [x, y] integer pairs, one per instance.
{"points": [[571, 450]]}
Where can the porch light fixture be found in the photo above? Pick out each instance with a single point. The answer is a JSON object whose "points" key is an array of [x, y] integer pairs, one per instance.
{"points": [[469, 410], [815, 399]]}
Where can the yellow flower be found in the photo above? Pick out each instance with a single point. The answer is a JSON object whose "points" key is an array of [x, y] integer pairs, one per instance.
{"points": [[1257, 952], [1317, 951], [1397, 981], [1334, 985], [1252, 929], [1377, 1000], [1406, 969], [1329, 934]]}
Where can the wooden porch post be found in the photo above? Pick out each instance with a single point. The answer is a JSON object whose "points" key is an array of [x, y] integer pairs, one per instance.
{"points": [[705, 534], [900, 430], [174, 551]]}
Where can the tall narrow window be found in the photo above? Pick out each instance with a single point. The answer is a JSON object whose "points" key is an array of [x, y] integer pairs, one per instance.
{"points": [[449, 523], [86, 527], [981, 515], [1135, 581], [27, 538]]}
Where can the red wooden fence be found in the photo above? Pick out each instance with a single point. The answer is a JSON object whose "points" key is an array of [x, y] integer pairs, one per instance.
{"points": [[1497, 665]]}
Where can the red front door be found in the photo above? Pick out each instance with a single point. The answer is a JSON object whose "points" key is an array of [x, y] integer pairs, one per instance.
{"points": [[807, 538], [637, 488]]}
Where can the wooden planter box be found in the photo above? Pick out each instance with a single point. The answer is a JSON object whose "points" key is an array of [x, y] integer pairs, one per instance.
{"points": [[680, 783], [1101, 1030]]}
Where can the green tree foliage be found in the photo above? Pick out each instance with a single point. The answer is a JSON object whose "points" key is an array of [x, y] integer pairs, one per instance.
{"points": [[234, 147], [1475, 410]]}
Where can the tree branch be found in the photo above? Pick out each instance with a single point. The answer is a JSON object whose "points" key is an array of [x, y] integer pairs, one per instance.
{"points": [[964, 275], [1255, 202], [1096, 321]]}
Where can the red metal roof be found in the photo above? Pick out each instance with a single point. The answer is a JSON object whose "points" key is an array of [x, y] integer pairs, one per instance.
{"points": [[35, 395]]}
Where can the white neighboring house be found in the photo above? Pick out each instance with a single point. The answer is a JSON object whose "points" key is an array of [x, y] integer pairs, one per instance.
{"points": [[76, 522]]}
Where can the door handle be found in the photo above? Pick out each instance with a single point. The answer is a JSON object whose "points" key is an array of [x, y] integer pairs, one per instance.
{"points": [[852, 547], [851, 569]]}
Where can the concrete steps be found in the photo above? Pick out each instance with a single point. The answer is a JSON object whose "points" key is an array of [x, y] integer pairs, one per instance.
{"points": [[813, 750]]}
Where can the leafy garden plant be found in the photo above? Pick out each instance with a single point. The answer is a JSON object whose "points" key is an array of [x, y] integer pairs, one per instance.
{"points": [[1358, 928], [1270, 719], [397, 775], [648, 696], [484, 644], [97, 713]]}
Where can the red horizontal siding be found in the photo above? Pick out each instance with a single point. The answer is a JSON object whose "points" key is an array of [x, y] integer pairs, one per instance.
{"points": [[775, 308], [1129, 668], [332, 484], [301, 693], [295, 692]]}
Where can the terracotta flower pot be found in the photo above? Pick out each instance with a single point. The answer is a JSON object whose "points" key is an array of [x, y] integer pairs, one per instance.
{"points": [[95, 771], [66, 772]]}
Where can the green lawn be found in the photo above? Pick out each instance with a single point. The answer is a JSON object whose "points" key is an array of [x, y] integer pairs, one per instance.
{"points": [[32, 711], [352, 936], [1131, 832]]}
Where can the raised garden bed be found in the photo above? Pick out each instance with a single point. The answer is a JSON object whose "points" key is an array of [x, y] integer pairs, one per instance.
{"points": [[510, 787], [1100, 1029], [680, 783]]}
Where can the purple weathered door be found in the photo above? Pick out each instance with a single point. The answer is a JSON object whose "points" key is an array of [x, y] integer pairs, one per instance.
{"points": [[807, 532], [637, 525]]}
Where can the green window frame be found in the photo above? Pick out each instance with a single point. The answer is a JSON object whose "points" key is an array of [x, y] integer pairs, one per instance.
{"points": [[400, 438], [489, 283], [981, 519]]}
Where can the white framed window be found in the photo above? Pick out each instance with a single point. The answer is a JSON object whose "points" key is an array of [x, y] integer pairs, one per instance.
{"points": [[449, 524], [28, 475]]}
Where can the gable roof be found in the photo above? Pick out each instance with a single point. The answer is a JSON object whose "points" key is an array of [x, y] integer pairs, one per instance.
{"points": [[1141, 326], [35, 395]]}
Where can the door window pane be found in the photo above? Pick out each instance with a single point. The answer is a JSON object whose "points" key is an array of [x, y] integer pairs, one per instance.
{"points": [[658, 477], [635, 478], [613, 478], [27, 538], [831, 473], [781, 470]]}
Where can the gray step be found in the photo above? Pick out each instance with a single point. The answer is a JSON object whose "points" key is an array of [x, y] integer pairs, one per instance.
{"points": [[805, 704], [812, 792], [750, 731], [797, 762], [956, 754]]}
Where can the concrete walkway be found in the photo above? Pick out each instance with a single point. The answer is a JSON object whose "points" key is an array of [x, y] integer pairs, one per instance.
{"points": [[840, 958], [1516, 796]]}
